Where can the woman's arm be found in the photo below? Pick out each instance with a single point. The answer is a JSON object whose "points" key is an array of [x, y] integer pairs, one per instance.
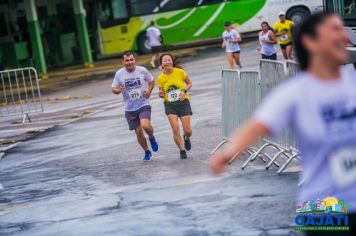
{"points": [[161, 93], [273, 38], [188, 83]]}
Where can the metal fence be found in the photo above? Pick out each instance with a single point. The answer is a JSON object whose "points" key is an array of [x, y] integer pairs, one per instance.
{"points": [[20, 93], [242, 92]]}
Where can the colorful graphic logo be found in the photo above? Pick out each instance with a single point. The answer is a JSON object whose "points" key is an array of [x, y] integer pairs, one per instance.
{"points": [[327, 214]]}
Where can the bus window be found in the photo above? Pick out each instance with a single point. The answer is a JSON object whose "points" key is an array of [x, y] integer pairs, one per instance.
{"points": [[143, 7], [206, 2], [112, 12], [176, 5]]}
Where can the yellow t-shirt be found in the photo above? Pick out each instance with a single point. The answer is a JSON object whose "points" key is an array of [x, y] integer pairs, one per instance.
{"points": [[172, 84], [286, 26]]}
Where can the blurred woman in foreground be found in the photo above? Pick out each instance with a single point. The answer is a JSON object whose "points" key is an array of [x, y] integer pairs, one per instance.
{"points": [[320, 105]]}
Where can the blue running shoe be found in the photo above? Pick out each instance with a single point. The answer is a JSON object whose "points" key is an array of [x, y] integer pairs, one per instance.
{"points": [[148, 155], [154, 144]]}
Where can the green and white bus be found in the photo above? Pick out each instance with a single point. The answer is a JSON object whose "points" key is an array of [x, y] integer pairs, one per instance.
{"points": [[122, 23]]}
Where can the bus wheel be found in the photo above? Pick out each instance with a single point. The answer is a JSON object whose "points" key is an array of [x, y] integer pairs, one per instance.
{"points": [[142, 44], [298, 14]]}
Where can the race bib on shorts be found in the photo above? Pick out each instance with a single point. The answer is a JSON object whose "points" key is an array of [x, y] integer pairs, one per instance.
{"points": [[343, 166], [173, 95], [135, 94]]}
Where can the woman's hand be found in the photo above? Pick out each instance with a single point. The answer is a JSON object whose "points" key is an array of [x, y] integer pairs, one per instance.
{"points": [[182, 95], [161, 93], [218, 162]]}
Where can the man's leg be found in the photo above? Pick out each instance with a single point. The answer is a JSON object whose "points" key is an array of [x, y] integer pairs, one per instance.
{"points": [[147, 127], [141, 139], [153, 64], [145, 123]]}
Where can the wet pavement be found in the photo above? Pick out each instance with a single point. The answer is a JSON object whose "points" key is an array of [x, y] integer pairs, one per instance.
{"points": [[84, 175]]}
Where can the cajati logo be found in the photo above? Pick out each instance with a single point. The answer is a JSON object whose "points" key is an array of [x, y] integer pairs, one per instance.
{"points": [[327, 214]]}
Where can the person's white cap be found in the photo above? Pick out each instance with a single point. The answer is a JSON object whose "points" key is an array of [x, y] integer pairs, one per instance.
{"points": [[281, 13]]}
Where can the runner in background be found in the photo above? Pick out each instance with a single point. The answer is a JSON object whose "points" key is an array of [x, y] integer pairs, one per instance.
{"points": [[155, 42], [136, 85], [231, 40], [283, 30], [266, 41], [319, 105], [174, 85]]}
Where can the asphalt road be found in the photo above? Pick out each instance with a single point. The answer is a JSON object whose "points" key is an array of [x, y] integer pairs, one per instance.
{"points": [[87, 177]]}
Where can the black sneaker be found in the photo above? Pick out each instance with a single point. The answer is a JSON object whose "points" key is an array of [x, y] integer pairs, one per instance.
{"points": [[183, 154], [187, 143]]}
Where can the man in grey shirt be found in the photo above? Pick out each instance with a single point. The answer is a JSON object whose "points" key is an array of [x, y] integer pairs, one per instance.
{"points": [[136, 85]]}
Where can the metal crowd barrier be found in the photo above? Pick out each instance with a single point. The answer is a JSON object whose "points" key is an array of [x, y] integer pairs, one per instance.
{"points": [[242, 92], [20, 93]]}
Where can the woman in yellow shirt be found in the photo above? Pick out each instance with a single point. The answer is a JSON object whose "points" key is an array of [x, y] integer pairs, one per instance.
{"points": [[283, 30], [174, 84]]}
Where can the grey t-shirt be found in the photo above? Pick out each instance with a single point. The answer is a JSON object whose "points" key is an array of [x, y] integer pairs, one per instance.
{"points": [[231, 46], [323, 117], [135, 83]]}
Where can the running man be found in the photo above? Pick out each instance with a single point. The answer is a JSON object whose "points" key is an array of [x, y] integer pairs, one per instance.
{"points": [[155, 42], [231, 40], [136, 85], [174, 84], [283, 30]]}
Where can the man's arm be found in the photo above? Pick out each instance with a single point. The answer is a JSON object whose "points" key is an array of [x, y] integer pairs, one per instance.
{"points": [[118, 90], [151, 85]]}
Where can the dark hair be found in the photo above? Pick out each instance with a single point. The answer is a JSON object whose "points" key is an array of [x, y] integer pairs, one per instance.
{"points": [[152, 23], [227, 23], [176, 62], [127, 53], [307, 28], [266, 23]]}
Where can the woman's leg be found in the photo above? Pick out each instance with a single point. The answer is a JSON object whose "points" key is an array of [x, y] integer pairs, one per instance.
{"points": [[289, 49], [186, 126], [237, 58], [173, 120], [230, 60]]}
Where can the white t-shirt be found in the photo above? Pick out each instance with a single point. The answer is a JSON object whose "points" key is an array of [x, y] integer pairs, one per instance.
{"points": [[135, 83], [153, 34], [231, 46], [323, 117]]}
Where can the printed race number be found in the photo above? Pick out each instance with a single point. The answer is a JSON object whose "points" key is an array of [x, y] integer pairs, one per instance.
{"points": [[173, 95], [135, 94], [284, 37]]}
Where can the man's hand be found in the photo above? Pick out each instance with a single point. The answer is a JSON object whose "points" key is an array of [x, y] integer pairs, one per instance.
{"points": [[119, 89], [259, 48], [147, 94]]}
